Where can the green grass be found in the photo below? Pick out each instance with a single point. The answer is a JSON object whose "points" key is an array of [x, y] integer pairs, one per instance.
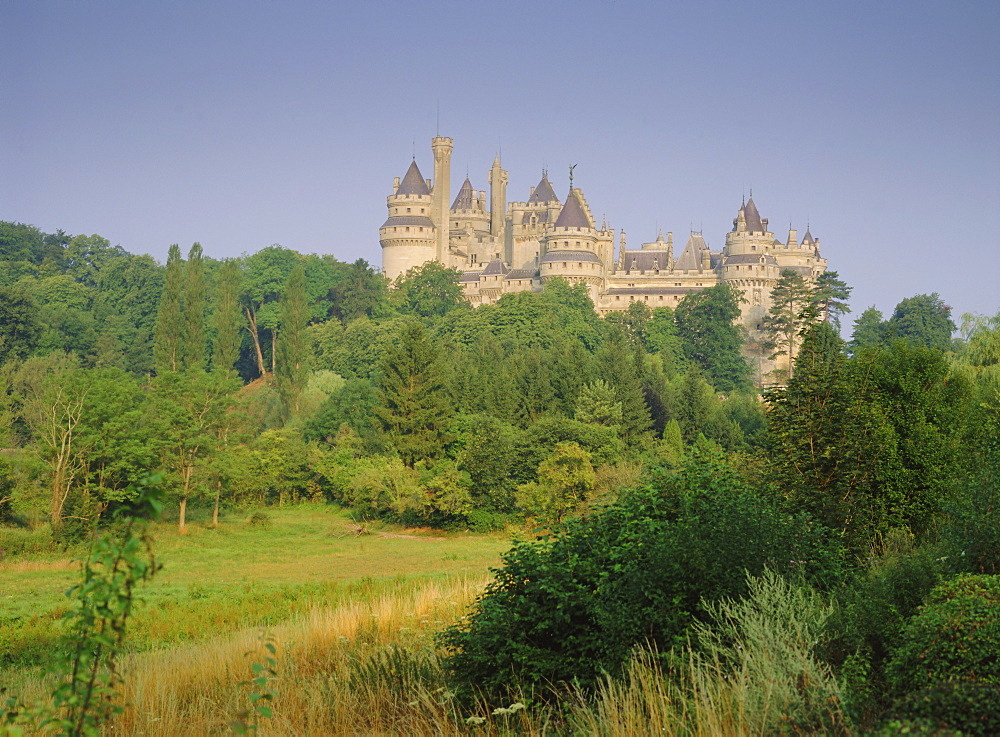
{"points": [[240, 574]]}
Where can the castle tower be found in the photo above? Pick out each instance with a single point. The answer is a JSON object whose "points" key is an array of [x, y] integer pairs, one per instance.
{"points": [[409, 236], [571, 248], [498, 201], [528, 222], [442, 148], [470, 242], [749, 234]]}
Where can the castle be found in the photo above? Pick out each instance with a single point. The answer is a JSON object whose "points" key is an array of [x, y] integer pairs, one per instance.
{"points": [[504, 247]]}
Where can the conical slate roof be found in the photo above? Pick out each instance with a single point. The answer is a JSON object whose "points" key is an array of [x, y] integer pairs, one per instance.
{"points": [[495, 267], [754, 224], [690, 259], [465, 197], [572, 215], [808, 238], [543, 192], [413, 183]]}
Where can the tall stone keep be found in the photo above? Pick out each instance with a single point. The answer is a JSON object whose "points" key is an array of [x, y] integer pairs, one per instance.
{"points": [[442, 148]]}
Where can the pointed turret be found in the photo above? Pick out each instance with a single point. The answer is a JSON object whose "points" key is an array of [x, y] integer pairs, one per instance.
{"points": [[807, 239], [754, 223], [409, 234], [413, 183], [465, 198], [573, 214], [543, 192]]}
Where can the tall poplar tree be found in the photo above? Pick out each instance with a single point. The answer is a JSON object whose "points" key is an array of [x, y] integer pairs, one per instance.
{"points": [[291, 369], [194, 310], [169, 332], [227, 318]]}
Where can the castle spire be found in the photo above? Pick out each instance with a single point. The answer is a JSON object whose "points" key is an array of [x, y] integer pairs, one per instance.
{"points": [[413, 183]]}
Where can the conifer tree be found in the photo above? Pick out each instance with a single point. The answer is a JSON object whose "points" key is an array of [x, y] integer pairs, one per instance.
{"points": [[792, 308], [227, 317], [291, 368], [618, 364], [695, 403], [194, 310], [808, 419], [169, 333], [830, 297], [414, 406], [869, 330]]}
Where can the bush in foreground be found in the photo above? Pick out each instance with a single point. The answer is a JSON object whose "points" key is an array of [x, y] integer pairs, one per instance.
{"points": [[571, 607]]}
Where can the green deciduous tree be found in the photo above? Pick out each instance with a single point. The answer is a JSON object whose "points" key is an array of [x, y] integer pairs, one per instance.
{"points": [[265, 275], [923, 320], [186, 410], [430, 290], [20, 327], [53, 395], [710, 338]]}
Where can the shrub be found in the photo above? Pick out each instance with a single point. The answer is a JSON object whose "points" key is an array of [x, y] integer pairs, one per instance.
{"points": [[21, 540], [260, 519], [874, 610], [955, 636], [571, 607], [968, 707], [483, 520], [757, 657]]}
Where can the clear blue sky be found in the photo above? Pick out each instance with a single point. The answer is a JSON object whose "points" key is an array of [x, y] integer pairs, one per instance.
{"points": [[241, 124]]}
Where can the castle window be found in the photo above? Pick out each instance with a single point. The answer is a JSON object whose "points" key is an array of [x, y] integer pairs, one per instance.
{"points": [[421, 211], [407, 228], [407, 209]]}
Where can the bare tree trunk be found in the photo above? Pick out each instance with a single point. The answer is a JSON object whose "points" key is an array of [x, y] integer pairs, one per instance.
{"points": [[255, 338], [188, 473], [218, 495]]}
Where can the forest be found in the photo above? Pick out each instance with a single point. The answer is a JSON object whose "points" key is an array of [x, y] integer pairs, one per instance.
{"points": [[817, 554]]}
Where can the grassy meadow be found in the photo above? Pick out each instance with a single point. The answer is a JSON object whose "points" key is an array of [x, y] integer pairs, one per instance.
{"points": [[251, 571]]}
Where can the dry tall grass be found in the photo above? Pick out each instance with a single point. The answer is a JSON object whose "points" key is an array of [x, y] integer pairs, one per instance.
{"points": [[372, 668], [363, 668]]}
